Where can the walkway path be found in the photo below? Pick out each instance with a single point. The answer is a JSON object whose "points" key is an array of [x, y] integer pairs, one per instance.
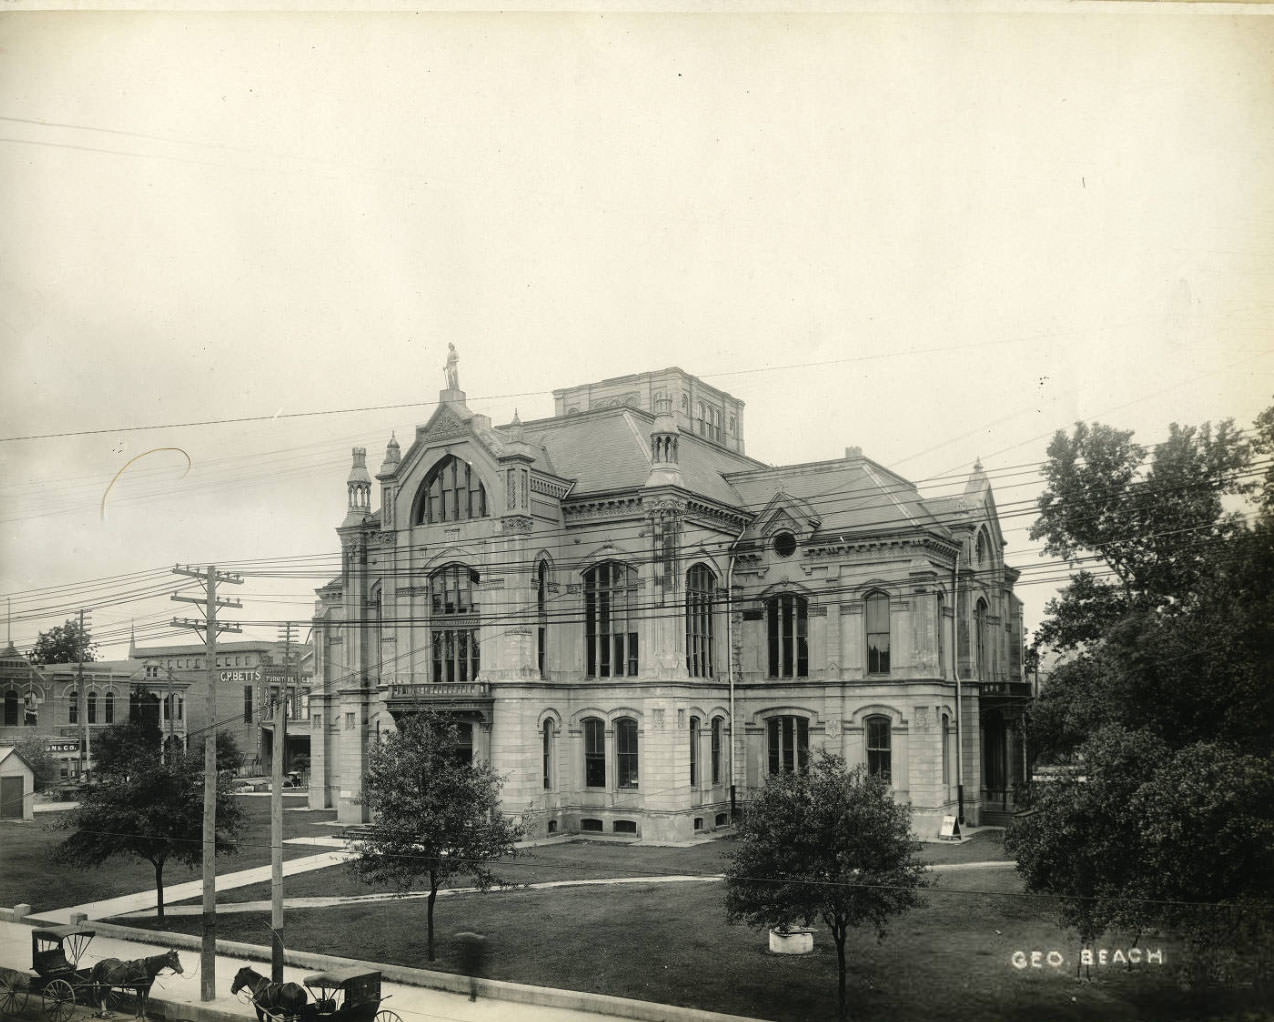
{"points": [[363, 899]]}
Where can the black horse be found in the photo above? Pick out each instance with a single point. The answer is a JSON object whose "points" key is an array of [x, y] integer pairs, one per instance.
{"points": [[286, 999], [136, 976]]}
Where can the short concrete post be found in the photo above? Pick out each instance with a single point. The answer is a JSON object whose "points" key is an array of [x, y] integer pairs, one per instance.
{"points": [[21, 912], [79, 918]]}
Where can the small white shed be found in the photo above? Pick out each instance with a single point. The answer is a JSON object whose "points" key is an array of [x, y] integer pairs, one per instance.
{"points": [[17, 785]]}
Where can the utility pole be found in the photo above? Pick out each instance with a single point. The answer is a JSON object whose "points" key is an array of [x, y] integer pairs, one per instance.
{"points": [[276, 808], [82, 696], [209, 625]]}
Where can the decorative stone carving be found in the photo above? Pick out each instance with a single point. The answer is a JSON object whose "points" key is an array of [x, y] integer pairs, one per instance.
{"points": [[519, 524]]}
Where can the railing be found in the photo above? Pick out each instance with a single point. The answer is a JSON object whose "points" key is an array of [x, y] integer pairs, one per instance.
{"points": [[1005, 688], [441, 690]]}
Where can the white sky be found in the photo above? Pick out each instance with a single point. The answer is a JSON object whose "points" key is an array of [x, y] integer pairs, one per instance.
{"points": [[937, 236]]}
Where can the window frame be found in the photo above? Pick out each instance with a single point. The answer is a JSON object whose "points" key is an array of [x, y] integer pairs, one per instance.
{"points": [[715, 727], [701, 587], [454, 642], [879, 754], [694, 752], [875, 604], [787, 635], [787, 743], [610, 589], [627, 762], [594, 744]]}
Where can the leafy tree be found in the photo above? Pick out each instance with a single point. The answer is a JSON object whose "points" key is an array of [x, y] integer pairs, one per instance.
{"points": [[147, 809], [34, 749], [828, 843], [1165, 708], [64, 644], [437, 818], [125, 749], [229, 758]]}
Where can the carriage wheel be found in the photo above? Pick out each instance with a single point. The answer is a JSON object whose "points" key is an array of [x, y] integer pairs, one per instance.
{"points": [[59, 1000], [116, 999], [387, 1016], [13, 998]]}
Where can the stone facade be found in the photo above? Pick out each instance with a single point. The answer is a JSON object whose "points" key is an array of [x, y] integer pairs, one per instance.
{"points": [[638, 623]]}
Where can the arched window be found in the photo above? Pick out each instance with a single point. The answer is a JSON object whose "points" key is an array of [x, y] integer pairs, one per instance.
{"points": [[946, 754], [594, 752], [700, 589], [877, 607], [92, 707], [72, 706], [979, 634], [610, 603], [108, 707], [548, 755], [879, 748], [694, 752], [453, 492], [789, 744], [626, 751], [787, 628], [542, 613], [716, 750], [454, 625], [938, 631], [11, 708]]}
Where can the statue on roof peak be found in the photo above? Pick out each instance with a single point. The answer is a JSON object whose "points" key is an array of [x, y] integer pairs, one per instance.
{"points": [[452, 369]]}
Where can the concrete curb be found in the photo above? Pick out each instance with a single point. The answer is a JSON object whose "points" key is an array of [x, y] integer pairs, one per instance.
{"points": [[517, 993]]}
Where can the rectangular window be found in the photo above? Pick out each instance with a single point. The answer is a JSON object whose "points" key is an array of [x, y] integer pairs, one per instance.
{"points": [[787, 628], [609, 593], [594, 753], [878, 634], [879, 754], [247, 704], [626, 751], [789, 744]]}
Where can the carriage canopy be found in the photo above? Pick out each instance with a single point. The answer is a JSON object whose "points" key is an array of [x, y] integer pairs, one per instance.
{"points": [[359, 985], [66, 943]]}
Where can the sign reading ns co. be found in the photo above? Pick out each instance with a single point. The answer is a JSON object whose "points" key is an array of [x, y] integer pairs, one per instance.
{"points": [[252, 676]]}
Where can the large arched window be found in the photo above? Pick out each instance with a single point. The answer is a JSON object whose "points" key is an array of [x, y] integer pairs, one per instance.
{"points": [[454, 624], [453, 492], [626, 752], [877, 607], [879, 748], [610, 628], [594, 752], [787, 629], [108, 707], [789, 744], [700, 589]]}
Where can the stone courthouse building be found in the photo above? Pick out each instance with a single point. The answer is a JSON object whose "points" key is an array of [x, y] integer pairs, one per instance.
{"points": [[636, 623]]}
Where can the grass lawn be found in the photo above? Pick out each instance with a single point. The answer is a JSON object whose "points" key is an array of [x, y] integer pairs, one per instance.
{"points": [[26, 875], [670, 943]]}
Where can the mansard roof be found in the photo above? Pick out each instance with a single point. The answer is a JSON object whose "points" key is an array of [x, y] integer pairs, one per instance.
{"points": [[852, 495], [608, 449]]}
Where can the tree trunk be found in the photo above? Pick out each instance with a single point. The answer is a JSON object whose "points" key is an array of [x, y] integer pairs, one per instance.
{"points": [[159, 890], [839, 935], [433, 896]]}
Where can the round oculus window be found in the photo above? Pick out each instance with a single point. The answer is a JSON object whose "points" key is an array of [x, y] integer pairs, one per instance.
{"points": [[785, 544]]}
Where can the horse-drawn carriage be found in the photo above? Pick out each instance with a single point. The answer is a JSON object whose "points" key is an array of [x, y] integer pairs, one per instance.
{"points": [[337, 995], [60, 981]]}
